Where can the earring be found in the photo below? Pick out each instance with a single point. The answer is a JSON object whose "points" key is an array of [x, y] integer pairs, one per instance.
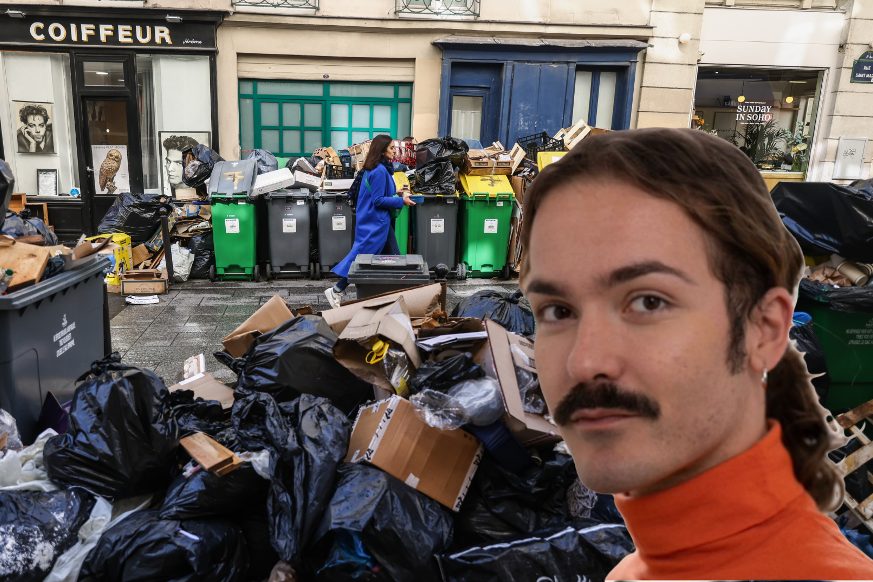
{"points": [[764, 377]]}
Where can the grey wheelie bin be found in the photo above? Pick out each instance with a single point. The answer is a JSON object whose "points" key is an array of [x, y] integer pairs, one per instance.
{"points": [[289, 225], [435, 232], [336, 229]]}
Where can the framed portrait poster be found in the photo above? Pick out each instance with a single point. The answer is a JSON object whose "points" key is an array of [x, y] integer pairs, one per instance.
{"points": [[170, 146], [34, 134], [47, 182], [111, 174]]}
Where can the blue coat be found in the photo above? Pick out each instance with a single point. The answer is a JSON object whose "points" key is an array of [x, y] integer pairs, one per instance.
{"points": [[376, 199]]}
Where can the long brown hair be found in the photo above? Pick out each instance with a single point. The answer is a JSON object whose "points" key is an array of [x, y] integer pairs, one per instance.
{"points": [[376, 153], [749, 249]]}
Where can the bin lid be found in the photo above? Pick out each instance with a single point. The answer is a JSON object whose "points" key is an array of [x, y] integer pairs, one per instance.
{"points": [[286, 193], [491, 186], [389, 265], [234, 178], [325, 195], [546, 158]]}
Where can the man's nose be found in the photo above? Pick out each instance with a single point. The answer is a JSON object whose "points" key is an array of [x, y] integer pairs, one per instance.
{"points": [[597, 350]]}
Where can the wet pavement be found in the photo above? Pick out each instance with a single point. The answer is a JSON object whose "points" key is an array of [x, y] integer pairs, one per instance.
{"points": [[194, 317]]}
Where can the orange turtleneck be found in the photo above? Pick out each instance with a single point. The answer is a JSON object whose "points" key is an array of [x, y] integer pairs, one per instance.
{"points": [[748, 518]]}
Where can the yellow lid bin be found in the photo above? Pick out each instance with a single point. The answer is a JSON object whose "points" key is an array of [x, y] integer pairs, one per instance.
{"points": [[486, 224], [491, 186]]}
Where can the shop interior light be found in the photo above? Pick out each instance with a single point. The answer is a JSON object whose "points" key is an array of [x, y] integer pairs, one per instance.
{"points": [[104, 73], [14, 13], [789, 99], [741, 98], [174, 18]]}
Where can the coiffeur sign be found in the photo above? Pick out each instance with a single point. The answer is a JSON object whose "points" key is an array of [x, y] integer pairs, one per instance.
{"points": [[42, 30]]}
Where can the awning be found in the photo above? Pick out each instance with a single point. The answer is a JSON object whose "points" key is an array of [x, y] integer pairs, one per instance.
{"points": [[555, 43]]}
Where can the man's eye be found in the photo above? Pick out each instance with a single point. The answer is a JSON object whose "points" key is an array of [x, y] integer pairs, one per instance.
{"points": [[553, 313], [648, 304]]}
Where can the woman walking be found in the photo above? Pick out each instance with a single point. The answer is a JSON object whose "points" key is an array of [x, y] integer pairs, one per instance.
{"points": [[376, 199]]}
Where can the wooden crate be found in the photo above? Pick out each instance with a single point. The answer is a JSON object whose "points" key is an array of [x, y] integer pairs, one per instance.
{"points": [[39, 210], [576, 133], [144, 282], [17, 202], [861, 415]]}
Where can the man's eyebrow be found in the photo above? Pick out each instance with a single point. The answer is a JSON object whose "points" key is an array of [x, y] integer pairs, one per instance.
{"points": [[636, 270], [544, 287]]}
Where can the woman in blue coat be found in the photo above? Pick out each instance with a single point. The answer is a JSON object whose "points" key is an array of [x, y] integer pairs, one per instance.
{"points": [[377, 197]]}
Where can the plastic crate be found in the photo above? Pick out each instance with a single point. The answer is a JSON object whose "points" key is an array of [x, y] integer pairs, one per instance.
{"points": [[338, 172], [539, 142]]}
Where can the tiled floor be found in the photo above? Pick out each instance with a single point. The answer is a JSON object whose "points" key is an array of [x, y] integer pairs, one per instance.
{"points": [[195, 316]]}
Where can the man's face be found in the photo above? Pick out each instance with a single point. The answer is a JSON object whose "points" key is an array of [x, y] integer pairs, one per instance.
{"points": [[173, 163], [631, 320], [36, 127]]}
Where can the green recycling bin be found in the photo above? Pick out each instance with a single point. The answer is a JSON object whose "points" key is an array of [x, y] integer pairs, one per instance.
{"points": [[401, 229], [234, 234], [487, 205]]}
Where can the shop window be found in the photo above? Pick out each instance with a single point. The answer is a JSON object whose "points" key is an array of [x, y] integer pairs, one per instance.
{"points": [[104, 73], [292, 118], [437, 7], [594, 97], [768, 113], [467, 116], [37, 120]]}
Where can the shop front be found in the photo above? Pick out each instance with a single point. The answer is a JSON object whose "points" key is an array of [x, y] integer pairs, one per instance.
{"points": [[94, 104]]}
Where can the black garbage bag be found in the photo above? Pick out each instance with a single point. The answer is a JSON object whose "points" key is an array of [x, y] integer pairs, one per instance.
{"points": [[297, 358], [443, 374], [266, 161], [863, 186], [811, 243], [399, 527], [198, 415], [197, 171], [830, 212], [204, 255], [19, 225], [587, 552], [814, 356], [436, 178], [37, 527], [532, 399], [450, 148], [135, 214], [503, 504], [849, 299], [145, 547], [255, 526], [205, 494], [307, 439], [123, 434], [510, 310]]}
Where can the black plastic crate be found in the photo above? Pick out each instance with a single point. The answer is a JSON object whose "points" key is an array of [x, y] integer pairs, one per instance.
{"points": [[539, 142], [339, 172]]}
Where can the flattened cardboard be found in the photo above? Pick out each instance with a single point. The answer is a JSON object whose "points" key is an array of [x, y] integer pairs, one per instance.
{"points": [[420, 302], [438, 463], [268, 317], [387, 319], [272, 181], [141, 254], [497, 359], [304, 180], [205, 386]]}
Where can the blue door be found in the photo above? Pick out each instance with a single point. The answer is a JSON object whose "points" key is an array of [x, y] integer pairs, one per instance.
{"points": [[538, 99], [474, 101]]}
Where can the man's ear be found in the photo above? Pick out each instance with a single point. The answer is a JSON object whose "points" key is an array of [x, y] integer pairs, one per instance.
{"points": [[767, 334]]}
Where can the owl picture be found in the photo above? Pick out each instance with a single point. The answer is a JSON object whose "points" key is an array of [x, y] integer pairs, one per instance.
{"points": [[108, 169]]}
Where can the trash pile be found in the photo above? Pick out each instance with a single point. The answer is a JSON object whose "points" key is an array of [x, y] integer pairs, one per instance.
{"points": [[382, 440]]}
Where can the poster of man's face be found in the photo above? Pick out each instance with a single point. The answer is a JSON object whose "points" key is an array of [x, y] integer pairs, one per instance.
{"points": [[34, 133], [172, 145]]}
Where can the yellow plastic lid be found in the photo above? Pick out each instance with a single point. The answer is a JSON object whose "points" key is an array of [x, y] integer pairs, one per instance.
{"points": [[546, 158], [493, 186]]}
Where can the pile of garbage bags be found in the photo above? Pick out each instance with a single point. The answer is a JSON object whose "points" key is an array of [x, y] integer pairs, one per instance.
{"points": [[122, 495], [437, 164]]}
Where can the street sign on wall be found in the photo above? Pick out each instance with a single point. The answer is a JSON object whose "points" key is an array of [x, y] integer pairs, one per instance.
{"points": [[862, 70]]}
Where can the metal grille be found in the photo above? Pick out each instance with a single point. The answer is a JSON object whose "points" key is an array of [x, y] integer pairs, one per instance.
{"points": [[313, 4], [438, 7]]}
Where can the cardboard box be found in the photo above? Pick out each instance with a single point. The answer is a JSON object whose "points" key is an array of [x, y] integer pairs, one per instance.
{"points": [[517, 154], [486, 162], [140, 254], [546, 158], [268, 317], [519, 186], [420, 302], [272, 181], [438, 463], [500, 363], [386, 319], [185, 194], [144, 282], [205, 386], [118, 250], [304, 180]]}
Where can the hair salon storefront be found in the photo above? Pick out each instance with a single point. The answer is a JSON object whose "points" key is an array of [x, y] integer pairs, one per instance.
{"points": [[95, 104]]}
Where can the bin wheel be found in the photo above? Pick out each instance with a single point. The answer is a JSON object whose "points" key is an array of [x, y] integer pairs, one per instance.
{"points": [[256, 274], [461, 272], [318, 271], [212, 276], [268, 272], [504, 272]]}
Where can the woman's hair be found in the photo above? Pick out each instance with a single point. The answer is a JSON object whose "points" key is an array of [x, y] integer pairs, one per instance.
{"points": [[749, 250], [378, 146]]}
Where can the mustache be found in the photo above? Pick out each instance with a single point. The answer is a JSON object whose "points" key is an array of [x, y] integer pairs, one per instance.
{"points": [[604, 395]]}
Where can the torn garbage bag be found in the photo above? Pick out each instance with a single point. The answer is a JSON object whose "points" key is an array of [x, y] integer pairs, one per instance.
{"points": [[477, 402], [297, 358], [145, 547], [510, 310], [134, 214], [307, 439], [443, 374], [266, 161], [398, 526], [571, 553], [123, 434], [436, 178], [37, 527], [830, 212]]}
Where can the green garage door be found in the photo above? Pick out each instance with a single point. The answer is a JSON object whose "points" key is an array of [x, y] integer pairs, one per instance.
{"points": [[293, 118]]}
